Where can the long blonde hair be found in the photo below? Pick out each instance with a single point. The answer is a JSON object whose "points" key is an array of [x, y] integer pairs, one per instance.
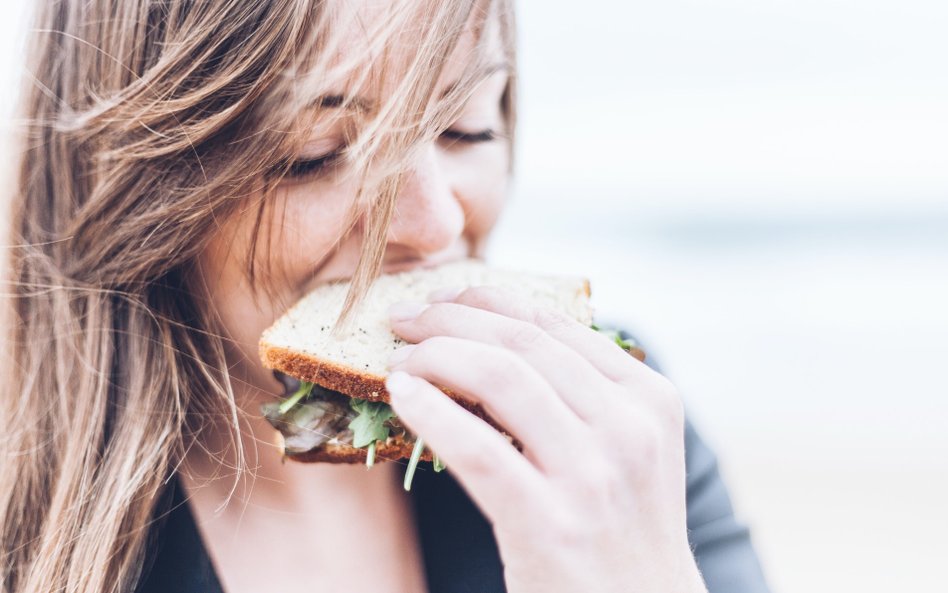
{"points": [[146, 122]]}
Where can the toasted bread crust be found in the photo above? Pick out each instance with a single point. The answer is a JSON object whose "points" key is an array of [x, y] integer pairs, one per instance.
{"points": [[324, 373], [352, 383], [344, 379]]}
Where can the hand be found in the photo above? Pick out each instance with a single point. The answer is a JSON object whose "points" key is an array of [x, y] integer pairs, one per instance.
{"points": [[596, 501]]}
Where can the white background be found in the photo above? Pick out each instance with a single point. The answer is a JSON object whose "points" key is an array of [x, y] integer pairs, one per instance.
{"points": [[759, 189]]}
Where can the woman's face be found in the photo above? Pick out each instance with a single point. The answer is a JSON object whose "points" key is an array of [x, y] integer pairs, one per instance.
{"points": [[449, 201]]}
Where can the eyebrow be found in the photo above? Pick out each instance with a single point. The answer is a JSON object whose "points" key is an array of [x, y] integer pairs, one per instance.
{"points": [[339, 101]]}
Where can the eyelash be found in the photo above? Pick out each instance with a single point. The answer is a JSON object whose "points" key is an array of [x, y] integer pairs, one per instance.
{"points": [[469, 137], [306, 167]]}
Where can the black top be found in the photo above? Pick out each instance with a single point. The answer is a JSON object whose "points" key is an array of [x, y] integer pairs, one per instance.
{"points": [[459, 550]]}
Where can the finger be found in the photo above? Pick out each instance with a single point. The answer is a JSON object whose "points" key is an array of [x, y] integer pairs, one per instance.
{"points": [[610, 360], [640, 385], [508, 388], [491, 470], [577, 382]]}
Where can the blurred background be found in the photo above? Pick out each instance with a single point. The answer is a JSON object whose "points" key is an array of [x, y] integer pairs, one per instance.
{"points": [[759, 191]]}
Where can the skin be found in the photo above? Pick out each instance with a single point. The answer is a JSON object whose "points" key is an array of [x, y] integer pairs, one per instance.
{"points": [[597, 500], [449, 202]]}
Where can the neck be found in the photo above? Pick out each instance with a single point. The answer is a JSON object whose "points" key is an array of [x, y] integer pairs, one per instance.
{"points": [[215, 469]]}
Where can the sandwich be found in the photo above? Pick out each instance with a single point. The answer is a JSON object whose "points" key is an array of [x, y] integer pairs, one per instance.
{"points": [[337, 408]]}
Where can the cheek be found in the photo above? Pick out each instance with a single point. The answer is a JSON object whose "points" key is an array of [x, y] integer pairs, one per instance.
{"points": [[300, 229], [309, 221], [297, 230], [222, 270]]}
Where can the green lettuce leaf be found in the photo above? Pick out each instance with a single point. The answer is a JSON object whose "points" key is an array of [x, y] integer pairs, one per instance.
{"points": [[287, 404], [625, 344], [413, 463], [369, 426]]}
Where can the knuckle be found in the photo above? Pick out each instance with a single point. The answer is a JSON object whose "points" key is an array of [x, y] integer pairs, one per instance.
{"points": [[523, 336], [507, 368], [648, 445], [598, 484], [661, 396], [670, 405], [431, 349], [639, 451], [425, 347], [473, 460], [551, 320], [566, 531], [436, 315]]}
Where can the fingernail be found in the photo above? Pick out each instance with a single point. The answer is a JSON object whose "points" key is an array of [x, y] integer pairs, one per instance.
{"points": [[399, 385], [445, 295], [406, 310], [401, 355]]}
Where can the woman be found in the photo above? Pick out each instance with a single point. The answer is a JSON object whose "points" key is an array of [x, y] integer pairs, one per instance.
{"points": [[191, 168]]}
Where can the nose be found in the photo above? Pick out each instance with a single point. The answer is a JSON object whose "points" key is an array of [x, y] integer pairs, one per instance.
{"points": [[428, 216]]}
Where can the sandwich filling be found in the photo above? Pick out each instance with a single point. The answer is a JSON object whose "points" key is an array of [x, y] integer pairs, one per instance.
{"points": [[314, 416]]}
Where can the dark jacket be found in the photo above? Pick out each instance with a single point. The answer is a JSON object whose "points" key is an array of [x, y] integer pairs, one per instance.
{"points": [[460, 553]]}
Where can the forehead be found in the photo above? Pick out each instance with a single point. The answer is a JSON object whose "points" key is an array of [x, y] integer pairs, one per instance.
{"points": [[379, 41]]}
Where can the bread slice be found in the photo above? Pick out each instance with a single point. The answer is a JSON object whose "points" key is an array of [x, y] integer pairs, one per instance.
{"points": [[301, 342]]}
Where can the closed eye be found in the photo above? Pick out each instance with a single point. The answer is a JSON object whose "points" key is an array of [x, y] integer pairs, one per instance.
{"points": [[453, 136], [310, 166], [306, 167]]}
